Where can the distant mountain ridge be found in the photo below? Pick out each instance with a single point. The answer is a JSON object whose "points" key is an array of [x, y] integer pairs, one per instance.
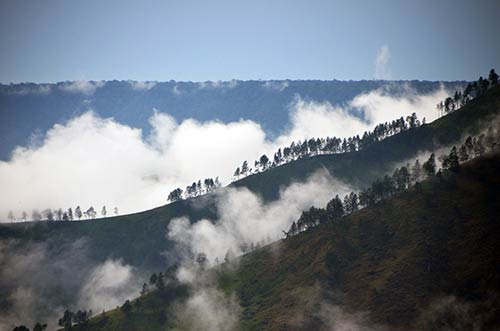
{"points": [[28, 109]]}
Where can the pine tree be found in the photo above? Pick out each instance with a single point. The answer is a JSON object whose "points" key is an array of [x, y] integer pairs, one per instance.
{"points": [[493, 77], [429, 166]]}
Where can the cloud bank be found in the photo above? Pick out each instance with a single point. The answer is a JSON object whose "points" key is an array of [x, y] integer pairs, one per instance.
{"points": [[82, 86], [141, 86], [93, 161]]}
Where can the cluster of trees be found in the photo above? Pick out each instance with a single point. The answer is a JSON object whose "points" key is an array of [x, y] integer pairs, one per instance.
{"points": [[75, 321], [38, 327], [334, 145], [472, 91], [61, 215], [155, 281], [195, 189], [402, 179], [329, 145]]}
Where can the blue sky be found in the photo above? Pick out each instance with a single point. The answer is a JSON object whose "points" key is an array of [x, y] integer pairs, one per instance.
{"points": [[50, 41]]}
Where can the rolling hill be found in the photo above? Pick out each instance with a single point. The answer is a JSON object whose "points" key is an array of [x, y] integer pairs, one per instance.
{"points": [[139, 239], [145, 231], [426, 259]]}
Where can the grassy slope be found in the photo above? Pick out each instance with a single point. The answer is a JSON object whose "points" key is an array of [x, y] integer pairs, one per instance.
{"points": [[390, 260], [140, 238]]}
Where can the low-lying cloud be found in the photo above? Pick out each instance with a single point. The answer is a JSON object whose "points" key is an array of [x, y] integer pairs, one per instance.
{"points": [[245, 220], [93, 161], [141, 85], [82, 86], [109, 285], [38, 281], [208, 309]]}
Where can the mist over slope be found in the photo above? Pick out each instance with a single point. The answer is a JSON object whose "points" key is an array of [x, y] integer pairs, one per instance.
{"points": [[134, 168], [130, 247], [424, 259]]}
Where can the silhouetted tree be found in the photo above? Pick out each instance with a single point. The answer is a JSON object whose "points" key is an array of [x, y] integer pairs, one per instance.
{"points": [[493, 77], [153, 279], [126, 308], [237, 173], [244, 168], [67, 320], [91, 212], [334, 208], [78, 212], [175, 195], [59, 214], [401, 178], [416, 171], [81, 318], [366, 197], [463, 155], [160, 281], [429, 166], [351, 203], [479, 147], [450, 161], [263, 161], [48, 214], [144, 289]]}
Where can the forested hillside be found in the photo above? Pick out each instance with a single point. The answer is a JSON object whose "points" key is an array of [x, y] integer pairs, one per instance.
{"points": [[424, 259], [145, 231], [139, 240]]}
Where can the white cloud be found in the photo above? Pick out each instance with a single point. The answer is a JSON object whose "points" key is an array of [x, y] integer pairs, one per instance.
{"points": [[108, 286], [382, 70], [245, 219], [176, 90], [279, 86], [140, 86], [319, 119], [82, 86], [94, 161], [218, 84], [208, 310], [38, 89]]}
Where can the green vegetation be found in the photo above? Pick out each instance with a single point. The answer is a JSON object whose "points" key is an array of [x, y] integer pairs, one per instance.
{"points": [[422, 242], [140, 238], [391, 260]]}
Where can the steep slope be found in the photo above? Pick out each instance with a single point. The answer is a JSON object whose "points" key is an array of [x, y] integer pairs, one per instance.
{"points": [[391, 260], [362, 167], [425, 259], [145, 231]]}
